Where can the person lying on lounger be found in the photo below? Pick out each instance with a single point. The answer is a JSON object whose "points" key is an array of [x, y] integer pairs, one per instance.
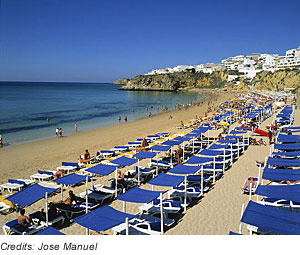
{"points": [[68, 202], [289, 182], [23, 219], [249, 182]]}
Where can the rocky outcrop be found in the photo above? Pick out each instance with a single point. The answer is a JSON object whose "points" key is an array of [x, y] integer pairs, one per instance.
{"points": [[176, 81], [281, 79], [121, 81], [217, 80]]}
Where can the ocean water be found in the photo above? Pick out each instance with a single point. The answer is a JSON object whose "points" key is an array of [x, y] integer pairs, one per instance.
{"points": [[25, 107]]}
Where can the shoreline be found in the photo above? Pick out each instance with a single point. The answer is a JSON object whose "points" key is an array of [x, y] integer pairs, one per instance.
{"points": [[23, 160], [110, 122]]}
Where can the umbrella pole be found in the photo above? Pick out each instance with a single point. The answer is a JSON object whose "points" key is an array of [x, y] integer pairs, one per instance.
{"points": [[61, 192], [47, 215], [214, 165], [116, 182], [86, 195], [138, 172], [185, 194], [224, 162], [124, 206], [127, 226], [161, 214], [157, 164], [86, 201], [202, 184]]}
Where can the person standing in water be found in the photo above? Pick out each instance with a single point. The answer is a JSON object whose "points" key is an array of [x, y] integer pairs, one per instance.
{"points": [[75, 128]]}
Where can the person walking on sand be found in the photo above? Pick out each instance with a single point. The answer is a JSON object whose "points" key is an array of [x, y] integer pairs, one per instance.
{"points": [[1, 141], [60, 132], [119, 119], [75, 128], [125, 118], [57, 132]]}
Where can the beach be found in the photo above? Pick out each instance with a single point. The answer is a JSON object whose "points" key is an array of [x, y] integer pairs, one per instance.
{"points": [[23, 160]]}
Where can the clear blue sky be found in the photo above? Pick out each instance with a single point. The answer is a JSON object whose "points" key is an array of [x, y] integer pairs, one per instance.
{"points": [[100, 41]]}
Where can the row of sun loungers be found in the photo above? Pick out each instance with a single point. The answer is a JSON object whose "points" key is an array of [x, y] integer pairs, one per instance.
{"points": [[278, 210], [155, 211]]}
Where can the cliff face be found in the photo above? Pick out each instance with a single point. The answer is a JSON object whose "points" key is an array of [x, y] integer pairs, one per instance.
{"points": [[217, 80], [176, 81], [285, 78], [121, 81]]}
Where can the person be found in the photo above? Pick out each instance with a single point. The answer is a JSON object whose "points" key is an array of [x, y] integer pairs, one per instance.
{"points": [[181, 124], [220, 137], [125, 118], [170, 117], [1, 141], [179, 154], [119, 119], [69, 201], [150, 114], [23, 219], [58, 174], [261, 142], [60, 132], [249, 182], [87, 154], [57, 132], [48, 120], [121, 179], [270, 135], [75, 128]]}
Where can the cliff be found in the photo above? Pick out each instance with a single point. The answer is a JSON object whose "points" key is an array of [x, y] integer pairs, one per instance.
{"points": [[217, 80], [177, 81], [121, 81], [285, 79]]}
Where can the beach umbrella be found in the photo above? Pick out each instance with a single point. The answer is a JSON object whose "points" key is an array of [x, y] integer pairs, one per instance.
{"points": [[223, 123], [144, 143]]}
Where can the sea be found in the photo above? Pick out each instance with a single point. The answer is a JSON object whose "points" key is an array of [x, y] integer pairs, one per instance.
{"points": [[31, 111]]}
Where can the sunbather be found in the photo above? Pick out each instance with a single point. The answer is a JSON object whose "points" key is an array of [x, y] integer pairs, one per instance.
{"points": [[87, 154], [248, 183], [23, 219], [68, 201], [261, 142], [58, 174]]}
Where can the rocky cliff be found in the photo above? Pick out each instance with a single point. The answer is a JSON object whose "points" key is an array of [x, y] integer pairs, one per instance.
{"points": [[177, 81], [285, 79], [217, 80], [121, 81]]}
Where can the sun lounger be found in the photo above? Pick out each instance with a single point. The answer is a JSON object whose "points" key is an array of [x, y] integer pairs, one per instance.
{"points": [[100, 194], [139, 228], [66, 169], [14, 227], [191, 192], [76, 209], [107, 153], [43, 175], [169, 206], [155, 217], [159, 163], [4, 208], [246, 190], [12, 185]]}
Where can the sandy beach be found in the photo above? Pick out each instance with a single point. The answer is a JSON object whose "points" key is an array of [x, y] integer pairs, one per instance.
{"points": [[21, 161], [216, 213]]}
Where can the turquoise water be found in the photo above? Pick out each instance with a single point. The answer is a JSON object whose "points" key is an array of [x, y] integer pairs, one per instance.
{"points": [[25, 107]]}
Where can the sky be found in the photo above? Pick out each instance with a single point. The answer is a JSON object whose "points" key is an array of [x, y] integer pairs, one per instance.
{"points": [[101, 41]]}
